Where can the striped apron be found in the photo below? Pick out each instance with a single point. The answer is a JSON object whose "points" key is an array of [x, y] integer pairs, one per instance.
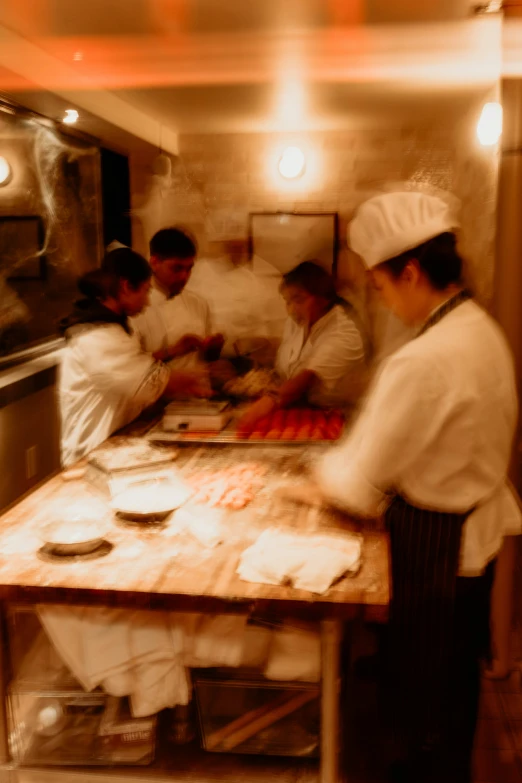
{"points": [[438, 632]]}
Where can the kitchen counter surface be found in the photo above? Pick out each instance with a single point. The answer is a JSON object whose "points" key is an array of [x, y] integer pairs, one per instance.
{"points": [[155, 566], [159, 567]]}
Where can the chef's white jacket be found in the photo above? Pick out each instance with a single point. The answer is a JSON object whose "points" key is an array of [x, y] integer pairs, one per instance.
{"points": [[105, 381], [333, 350], [166, 320], [244, 300], [437, 429]]}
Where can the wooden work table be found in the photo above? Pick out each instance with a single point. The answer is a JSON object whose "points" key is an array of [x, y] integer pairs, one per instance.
{"points": [[157, 567]]}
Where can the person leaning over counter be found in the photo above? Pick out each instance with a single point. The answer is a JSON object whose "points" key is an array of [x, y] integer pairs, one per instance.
{"points": [[106, 379], [321, 358], [177, 322], [431, 451]]}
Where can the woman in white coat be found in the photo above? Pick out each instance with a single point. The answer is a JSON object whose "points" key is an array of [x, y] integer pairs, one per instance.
{"points": [[106, 379], [321, 359], [431, 451]]}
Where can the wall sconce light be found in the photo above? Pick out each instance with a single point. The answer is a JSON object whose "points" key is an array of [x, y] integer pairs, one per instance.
{"points": [[489, 127], [291, 163], [5, 171], [71, 116]]}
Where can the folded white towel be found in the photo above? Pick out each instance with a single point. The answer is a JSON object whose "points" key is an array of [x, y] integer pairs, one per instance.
{"points": [[128, 653], [140, 654], [310, 563], [295, 655], [218, 641]]}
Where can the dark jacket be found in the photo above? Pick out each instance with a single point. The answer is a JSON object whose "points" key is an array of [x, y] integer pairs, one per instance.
{"points": [[92, 311]]}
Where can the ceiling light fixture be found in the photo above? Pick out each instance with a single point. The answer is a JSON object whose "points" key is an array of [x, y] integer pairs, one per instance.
{"points": [[5, 171], [71, 116], [489, 127], [291, 163]]}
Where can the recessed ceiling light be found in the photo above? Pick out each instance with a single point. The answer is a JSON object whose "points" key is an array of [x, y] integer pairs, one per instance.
{"points": [[71, 116], [78, 57]]}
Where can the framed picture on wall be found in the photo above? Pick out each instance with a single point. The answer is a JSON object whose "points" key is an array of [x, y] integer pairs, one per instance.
{"points": [[285, 239], [21, 247]]}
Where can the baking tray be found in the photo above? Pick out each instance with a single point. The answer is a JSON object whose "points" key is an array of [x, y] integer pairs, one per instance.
{"points": [[227, 436]]}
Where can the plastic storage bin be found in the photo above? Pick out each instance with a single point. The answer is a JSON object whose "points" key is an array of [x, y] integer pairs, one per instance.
{"points": [[256, 716], [53, 721]]}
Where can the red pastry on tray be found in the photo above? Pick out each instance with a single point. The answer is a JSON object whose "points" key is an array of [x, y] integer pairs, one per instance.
{"points": [[297, 424]]}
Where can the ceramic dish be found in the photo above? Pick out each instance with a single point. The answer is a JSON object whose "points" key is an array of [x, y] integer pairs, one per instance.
{"points": [[73, 538], [151, 501]]}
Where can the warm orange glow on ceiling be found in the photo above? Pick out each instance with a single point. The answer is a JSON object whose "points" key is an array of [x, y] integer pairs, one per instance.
{"points": [[343, 12], [170, 13], [31, 16], [461, 53]]}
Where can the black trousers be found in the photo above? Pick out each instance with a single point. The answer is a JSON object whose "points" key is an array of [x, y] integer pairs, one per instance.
{"points": [[437, 635]]}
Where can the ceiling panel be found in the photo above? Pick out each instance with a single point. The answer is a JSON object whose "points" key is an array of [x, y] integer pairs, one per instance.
{"points": [[234, 65], [143, 17], [240, 108]]}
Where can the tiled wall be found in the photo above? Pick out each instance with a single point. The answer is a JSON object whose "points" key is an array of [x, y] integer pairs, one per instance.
{"points": [[220, 178]]}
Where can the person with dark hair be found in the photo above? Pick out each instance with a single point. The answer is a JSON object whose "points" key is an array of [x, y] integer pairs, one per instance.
{"points": [[321, 357], [177, 322], [430, 450], [106, 379]]}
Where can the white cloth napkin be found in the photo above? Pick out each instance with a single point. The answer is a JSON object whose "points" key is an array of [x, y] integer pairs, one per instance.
{"points": [[310, 563]]}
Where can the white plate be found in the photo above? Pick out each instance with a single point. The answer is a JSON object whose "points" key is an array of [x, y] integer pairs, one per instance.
{"points": [[151, 500], [77, 527], [73, 537]]}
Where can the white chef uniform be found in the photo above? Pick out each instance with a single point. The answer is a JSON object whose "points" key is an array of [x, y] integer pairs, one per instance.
{"points": [[437, 429], [333, 350], [166, 320], [105, 381], [244, 300], [432, 448]]}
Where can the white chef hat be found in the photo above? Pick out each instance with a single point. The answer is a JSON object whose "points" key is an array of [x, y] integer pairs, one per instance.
{"points": [[390, 224]]}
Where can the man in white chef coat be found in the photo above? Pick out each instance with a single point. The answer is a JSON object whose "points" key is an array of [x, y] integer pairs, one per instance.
{"points": [[176, 326]]}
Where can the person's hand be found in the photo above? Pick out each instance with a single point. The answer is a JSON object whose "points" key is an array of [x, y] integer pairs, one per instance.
{"points": [[255, 412], [212, 346], [214, 341], [186, 344]]}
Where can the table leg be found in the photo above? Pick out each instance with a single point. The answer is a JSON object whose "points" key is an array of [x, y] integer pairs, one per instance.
{"points": [[331, 634], [4, 744]]}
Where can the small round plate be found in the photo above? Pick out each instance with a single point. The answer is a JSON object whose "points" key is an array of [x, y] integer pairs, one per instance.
{"points": [[73, 538], [154, 501], [51, 555]]}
